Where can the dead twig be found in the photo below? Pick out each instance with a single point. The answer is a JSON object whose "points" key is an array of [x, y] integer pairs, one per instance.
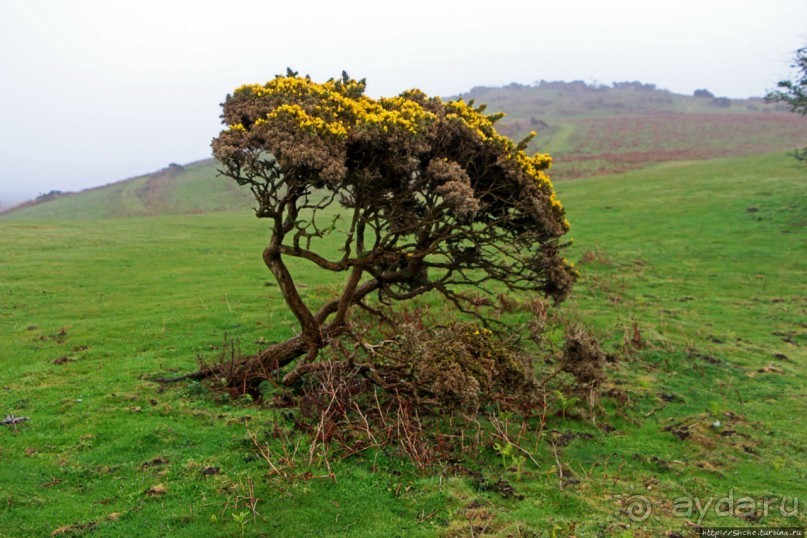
{"points": [[11, 420], [653, 411]]}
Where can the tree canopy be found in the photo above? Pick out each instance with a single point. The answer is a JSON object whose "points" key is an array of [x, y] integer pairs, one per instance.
{"points": [[420, 195]]}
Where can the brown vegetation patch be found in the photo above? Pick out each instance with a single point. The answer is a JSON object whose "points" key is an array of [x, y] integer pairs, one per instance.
{"points": [[159, 489], [159, 460], [617, 144], [584, 359], [78, 529]]}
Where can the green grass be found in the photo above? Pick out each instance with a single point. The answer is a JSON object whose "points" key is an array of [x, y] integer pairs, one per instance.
{"points": [[715, 290], [720, 241]]}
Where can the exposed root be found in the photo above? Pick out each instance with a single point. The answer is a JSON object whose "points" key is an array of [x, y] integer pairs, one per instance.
{"points": [[196, 376]]}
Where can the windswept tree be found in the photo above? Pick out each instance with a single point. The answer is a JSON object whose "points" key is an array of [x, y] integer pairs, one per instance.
{"points": [[419, 194]]}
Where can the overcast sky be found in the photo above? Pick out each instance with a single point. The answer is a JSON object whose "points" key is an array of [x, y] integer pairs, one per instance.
{"points": [[94, 91]]}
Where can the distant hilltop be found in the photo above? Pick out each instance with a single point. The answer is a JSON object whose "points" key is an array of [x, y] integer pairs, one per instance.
{"points": [[529, 106], [579, 87]]}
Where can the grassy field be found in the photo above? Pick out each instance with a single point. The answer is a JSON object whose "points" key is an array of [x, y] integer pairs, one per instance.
{"points": [[699, 265]]}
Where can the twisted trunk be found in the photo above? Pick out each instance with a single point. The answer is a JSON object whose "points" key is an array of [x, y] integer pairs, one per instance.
{"points": [[312, 338], [315, 333]]}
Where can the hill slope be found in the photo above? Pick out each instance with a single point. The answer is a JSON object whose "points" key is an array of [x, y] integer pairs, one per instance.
{"points": [[195, 188], [595, 130], [589, 130]]}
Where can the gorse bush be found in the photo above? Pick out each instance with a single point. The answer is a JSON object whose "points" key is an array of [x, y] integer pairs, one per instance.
{"points": [[431, 200], [416, 195]]}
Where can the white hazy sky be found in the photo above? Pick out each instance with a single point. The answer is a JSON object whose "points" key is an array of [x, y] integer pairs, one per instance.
{"points": [[97, 90]]}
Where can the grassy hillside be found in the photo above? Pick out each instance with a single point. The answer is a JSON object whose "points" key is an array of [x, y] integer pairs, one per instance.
{"points": [[694, 270], [196, 188], [589, 130]]}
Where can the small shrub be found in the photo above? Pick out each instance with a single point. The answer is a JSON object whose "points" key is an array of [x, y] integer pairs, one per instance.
{"points": [[225, 369], [462, 366], [435, 395], [721, 102], [584, 359]]}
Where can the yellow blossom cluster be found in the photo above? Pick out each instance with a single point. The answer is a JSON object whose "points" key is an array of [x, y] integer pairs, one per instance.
{"points": [[482, 124], [290, 86], [478, 122], [330, 108], [337, 107], [535, 166], [400, 112], [305, 120]]}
